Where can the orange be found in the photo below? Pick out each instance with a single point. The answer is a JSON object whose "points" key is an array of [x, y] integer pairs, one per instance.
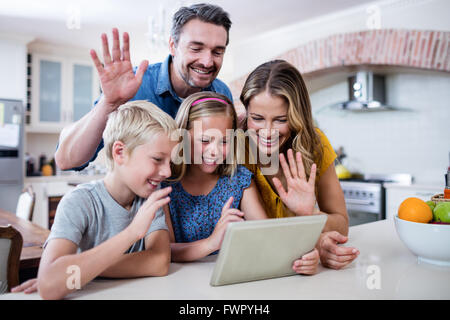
{"points": [[416, 210]]}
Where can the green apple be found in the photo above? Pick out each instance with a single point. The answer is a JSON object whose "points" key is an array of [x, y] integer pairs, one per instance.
{"points": [[431, 204], [442, 212]]}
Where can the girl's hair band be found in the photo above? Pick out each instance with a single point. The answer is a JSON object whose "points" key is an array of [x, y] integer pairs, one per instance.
{"points": [[208, 99]]}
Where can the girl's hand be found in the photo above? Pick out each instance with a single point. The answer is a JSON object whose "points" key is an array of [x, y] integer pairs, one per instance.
{"points": [[307, 264], [300, 197], [228, 215], [118, 81], [334, 256], [144, 217]]}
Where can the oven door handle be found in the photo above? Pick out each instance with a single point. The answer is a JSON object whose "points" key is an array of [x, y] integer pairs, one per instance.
{"points": [[360, 202]]}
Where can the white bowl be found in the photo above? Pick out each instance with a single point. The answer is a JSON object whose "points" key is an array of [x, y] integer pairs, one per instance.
{"points": [[429, 242]]}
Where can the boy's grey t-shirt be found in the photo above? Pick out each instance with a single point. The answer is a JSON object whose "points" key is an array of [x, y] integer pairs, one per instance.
{"points": [[88, 216]]}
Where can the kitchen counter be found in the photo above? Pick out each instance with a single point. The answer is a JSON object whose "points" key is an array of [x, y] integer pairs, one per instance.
{"points": [[419, 186], [383, 257], [79, 178]]}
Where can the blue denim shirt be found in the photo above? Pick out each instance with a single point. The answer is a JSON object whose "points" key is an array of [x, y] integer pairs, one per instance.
{"points": [[157, 88]]}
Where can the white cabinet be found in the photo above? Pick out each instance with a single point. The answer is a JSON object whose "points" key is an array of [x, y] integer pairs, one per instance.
{"points": [[63, 91], [395, 194]]}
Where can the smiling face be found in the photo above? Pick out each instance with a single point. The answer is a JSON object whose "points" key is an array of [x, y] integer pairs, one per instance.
{"points": [[267, 115], [210, 142], [198, 55], [148, 164]]}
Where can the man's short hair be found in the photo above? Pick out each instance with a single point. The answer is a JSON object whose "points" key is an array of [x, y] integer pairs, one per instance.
{"points": [[204, 12], [135, 123]]}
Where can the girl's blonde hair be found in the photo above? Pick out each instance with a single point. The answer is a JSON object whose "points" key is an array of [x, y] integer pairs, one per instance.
{"points": [[282, 79], [199, 105], [135, 123]]}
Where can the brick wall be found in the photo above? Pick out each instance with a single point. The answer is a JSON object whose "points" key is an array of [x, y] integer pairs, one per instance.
{"points": [[406, 48]]}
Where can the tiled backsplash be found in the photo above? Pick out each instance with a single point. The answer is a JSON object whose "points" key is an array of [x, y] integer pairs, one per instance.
{"points": [[415, 141]]}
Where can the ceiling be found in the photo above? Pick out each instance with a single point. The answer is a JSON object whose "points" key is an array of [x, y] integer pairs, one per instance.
{"points": [[45, 20]]}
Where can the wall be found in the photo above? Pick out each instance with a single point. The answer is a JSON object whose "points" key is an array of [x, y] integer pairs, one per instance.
{"points": [[243, 57], [414, 141]]}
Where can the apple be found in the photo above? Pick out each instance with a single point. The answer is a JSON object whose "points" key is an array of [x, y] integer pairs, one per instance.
{"points": [[442, 212], [432, 205]]}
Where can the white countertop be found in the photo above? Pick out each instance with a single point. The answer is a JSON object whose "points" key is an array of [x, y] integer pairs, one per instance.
{"points": [[419, 186], [79, 178], [401, 277]]}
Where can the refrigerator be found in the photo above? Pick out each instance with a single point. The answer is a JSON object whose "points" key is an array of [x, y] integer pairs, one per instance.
{"points": [[12, 166]]}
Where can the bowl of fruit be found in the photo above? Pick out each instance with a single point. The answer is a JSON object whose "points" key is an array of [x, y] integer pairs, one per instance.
{"points": [[424, 228]]}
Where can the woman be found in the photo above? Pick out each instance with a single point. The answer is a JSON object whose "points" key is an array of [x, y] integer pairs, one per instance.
{"points": [[279, 121]]}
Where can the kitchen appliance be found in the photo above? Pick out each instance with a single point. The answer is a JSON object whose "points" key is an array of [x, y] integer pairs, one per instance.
{"points": [[365, 198], [11, 153], [366, 92]]}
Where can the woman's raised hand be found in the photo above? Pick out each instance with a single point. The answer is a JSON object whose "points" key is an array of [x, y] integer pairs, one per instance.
{"points": [[300, 197], [118, 81]]}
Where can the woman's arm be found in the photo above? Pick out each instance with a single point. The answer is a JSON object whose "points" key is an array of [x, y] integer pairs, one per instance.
{"points": [[251, 203], [153, 261], [331, 201]]}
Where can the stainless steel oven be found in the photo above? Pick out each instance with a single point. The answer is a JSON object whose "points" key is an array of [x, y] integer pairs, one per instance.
{"points": [[365, 197]]}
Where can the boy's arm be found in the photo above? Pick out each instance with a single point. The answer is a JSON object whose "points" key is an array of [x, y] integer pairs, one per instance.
{"points": [[59, 261], [153, 261], [59, 255]]}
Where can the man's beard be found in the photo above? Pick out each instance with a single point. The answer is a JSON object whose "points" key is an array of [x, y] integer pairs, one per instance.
{"points": [[190, 82]]}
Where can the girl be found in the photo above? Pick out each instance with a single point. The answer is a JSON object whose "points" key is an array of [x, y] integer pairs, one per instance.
{"points": [[212, 190], [278, 110]]}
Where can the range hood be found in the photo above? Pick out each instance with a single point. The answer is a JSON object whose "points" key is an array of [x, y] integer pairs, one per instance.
{"points": [[366, 92]]}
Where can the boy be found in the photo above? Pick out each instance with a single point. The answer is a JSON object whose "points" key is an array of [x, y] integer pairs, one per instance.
{"points": [[106, 218]]}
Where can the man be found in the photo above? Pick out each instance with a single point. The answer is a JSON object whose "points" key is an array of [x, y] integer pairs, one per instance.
{"points": [[199, 36]]}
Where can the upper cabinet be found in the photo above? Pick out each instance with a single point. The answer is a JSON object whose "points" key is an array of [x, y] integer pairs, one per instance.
{"points": [[63, 90]]}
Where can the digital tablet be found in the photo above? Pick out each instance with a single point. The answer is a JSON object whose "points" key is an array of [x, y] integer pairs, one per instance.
{"points": [[263, 249]]}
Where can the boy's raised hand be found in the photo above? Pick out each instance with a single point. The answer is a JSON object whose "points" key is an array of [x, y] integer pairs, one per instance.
{"points": [[144, 217], [118, 81], [300, 197], [228, 215]]}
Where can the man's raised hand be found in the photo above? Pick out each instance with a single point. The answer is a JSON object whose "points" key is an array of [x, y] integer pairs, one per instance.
{"points": [[118, 81]]}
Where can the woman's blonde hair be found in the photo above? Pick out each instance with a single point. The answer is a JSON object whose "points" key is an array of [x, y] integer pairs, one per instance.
{"points": [[282, 79], [199, 105], [135, 123]]}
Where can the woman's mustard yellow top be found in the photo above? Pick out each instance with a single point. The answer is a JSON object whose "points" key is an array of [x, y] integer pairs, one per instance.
{"points": [[272, 203]]}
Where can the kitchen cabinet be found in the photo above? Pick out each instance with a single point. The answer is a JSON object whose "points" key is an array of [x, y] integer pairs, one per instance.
{"points": [[49, 191], [63, 90], [395, 194]]}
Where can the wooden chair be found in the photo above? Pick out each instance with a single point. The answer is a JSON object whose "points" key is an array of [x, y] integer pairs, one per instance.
{"points": [[25, 204], [10, 249]]}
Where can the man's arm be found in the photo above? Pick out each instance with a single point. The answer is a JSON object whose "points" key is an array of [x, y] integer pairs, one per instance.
{"points": [[153, 261], [78, 142]]}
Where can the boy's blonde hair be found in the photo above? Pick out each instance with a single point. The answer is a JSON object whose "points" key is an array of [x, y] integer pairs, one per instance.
{"points": [[204, 107], [135, 123]]}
